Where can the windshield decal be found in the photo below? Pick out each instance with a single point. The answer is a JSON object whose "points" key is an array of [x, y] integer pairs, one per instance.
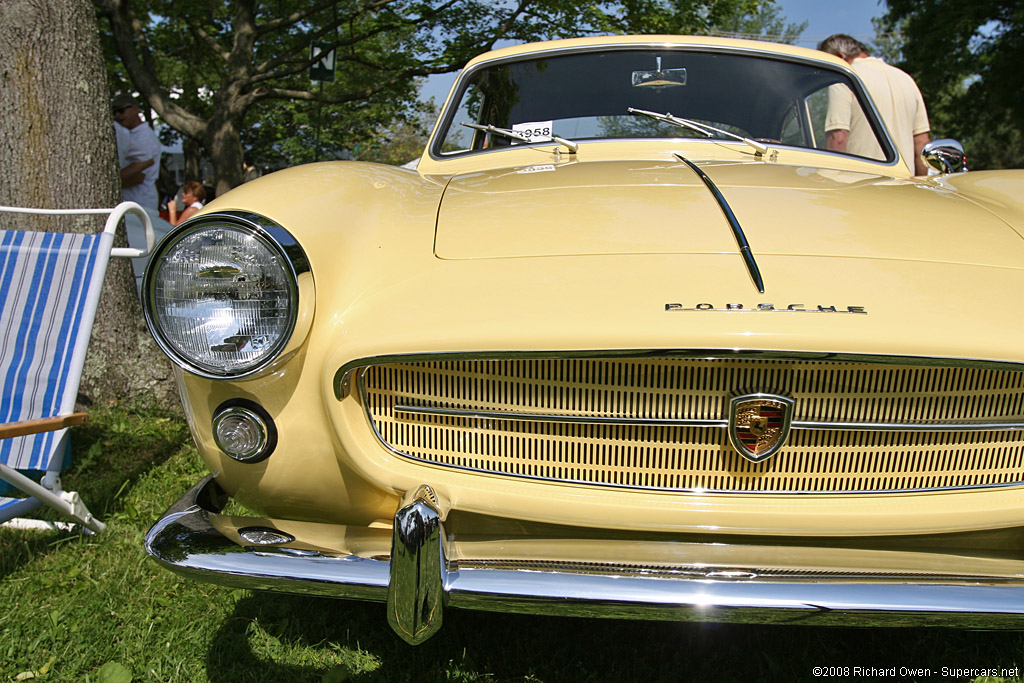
{"points": [[535, 131]]}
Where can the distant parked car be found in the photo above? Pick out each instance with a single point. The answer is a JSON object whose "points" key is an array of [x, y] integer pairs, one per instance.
{"points": [[629, 341]]}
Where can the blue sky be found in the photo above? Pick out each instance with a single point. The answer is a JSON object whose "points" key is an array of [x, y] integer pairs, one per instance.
{"points": [[824, 18]]}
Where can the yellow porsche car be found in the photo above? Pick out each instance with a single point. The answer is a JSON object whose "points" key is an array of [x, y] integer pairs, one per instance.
{"points": [[629, 341]]}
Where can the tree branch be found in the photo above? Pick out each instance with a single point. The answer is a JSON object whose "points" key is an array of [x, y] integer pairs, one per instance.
{"points": [[506, 25], [268, 70], [131, 47], [309, 96], [296, 17], [210, 41], [243, 47], [285, 65]]}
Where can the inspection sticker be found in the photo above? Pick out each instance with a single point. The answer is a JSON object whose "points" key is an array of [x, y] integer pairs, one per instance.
{"points": [[537, 131]]}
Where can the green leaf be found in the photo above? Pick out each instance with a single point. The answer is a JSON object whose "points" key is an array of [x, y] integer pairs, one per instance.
{"points": [[112, 672], [338, 674], [45, 669]]}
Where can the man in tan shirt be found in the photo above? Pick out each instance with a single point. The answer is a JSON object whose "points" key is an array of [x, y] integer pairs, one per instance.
{"points": [[895, 95]]}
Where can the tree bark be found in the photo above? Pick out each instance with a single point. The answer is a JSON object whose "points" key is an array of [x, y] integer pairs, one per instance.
{"points": [[57, 151], [224, 144], [193, 159]]}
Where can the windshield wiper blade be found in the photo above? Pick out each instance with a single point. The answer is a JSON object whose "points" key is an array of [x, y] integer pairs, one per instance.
{"points": [[703, 128], [513, 135]]}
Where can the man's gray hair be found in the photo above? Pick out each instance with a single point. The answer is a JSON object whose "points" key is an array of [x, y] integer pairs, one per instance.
{"points": [[843, 46]]}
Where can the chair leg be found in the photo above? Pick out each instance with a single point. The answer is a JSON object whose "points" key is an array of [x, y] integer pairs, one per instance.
{"points": [[65, 502], [40, 525]]}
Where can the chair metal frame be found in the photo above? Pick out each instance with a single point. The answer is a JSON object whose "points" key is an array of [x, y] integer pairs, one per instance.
{"points": [[49, 491]]}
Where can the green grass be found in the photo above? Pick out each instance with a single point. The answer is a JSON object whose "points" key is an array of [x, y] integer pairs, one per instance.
{"points": [[81, 608]]}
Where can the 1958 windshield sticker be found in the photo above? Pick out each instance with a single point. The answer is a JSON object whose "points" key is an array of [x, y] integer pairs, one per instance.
{"points": [[770, 308], [537, 131]]}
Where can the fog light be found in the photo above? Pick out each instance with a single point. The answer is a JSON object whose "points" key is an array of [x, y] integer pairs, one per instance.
{"points": [[242, 433], [261, 535]]}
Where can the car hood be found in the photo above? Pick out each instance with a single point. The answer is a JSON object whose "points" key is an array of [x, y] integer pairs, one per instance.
{"points": [[630, 207]]}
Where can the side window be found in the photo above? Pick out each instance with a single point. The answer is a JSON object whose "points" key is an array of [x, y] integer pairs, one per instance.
{"points": [[792, 131], [836, 108], [816, 106], [471, 110]]}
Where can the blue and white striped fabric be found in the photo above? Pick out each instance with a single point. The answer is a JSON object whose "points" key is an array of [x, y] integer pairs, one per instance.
{"points": [[45, 323]]}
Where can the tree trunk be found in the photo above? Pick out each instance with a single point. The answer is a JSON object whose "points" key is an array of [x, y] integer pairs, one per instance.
{"points": [[57, 151], [225, 147], [193, 160]]}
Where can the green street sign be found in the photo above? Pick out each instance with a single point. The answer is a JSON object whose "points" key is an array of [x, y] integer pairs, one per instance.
{"points": [[323, 68]]}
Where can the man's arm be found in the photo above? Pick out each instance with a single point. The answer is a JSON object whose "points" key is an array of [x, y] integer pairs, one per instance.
{"points": [[838, 117], [835, 140], [132, 174], [920, 140]]}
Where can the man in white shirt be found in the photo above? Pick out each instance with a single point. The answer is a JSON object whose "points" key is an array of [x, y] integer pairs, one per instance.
{"points": [[895, 95], [138, 153]]}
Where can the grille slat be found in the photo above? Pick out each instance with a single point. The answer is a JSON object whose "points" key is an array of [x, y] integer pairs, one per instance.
{"points": [[684, 457]]}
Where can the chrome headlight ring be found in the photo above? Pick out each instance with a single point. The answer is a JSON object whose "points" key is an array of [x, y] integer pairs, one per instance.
{"points": [[226, 294]]}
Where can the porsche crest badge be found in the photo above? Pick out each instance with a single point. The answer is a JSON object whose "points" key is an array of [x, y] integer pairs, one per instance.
{"points": [[759, 424]]}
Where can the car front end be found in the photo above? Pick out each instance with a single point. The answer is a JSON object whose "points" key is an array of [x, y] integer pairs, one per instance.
{"points": [[597, 363]]}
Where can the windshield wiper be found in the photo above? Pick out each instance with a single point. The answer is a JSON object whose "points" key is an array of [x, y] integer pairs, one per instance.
{"points": [[703, 128], [513, 135]]}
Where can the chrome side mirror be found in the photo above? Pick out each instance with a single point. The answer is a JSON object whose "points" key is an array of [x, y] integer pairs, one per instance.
{"points": [[945, 156]]}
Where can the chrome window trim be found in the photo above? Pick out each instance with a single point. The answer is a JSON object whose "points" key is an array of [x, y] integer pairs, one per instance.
{"points": [[448, 115], [277, 239]]}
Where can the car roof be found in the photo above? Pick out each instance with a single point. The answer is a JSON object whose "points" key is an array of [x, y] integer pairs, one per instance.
{"points": [[670, 41]]}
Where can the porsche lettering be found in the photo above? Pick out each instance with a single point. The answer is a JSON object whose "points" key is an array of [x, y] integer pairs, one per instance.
{"points": [[768, 307]]}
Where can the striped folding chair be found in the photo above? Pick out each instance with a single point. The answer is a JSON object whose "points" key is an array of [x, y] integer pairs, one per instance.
{"points": [[50, 286]]}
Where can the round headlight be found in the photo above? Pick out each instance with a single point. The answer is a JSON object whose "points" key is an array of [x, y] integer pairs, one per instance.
{"points": [[221, 295]]}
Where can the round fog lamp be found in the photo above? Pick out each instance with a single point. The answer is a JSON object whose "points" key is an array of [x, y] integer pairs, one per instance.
{"points": [[261, 535], [241, 433]]}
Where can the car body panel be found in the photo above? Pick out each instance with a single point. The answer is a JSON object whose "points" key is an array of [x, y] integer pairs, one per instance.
{"points": [[662, 207], [617, 250]]}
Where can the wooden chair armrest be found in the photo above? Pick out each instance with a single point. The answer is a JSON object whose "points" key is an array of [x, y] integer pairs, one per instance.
{"points": [[44, 424]]}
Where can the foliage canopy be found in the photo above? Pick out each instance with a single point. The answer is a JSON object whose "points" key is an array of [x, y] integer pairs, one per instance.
{"points": [[231, 74], [966, 57]]}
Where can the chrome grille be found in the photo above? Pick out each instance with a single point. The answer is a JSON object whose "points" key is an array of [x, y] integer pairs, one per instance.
{"points": [[656, 424]]}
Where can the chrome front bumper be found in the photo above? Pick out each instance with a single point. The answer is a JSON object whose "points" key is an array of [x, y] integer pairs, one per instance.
{"points": [[418, 581]]}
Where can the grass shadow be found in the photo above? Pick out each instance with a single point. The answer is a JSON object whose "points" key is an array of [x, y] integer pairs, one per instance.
{"points": [[116, 448], [18, 547], [109, 454], [272, 637]]}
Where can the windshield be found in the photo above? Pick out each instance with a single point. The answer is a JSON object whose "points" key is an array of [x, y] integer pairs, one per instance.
{"points": [[589, 95]]}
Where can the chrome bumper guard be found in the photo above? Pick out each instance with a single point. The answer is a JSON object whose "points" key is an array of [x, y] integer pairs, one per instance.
{"points": [[418, 582]]}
